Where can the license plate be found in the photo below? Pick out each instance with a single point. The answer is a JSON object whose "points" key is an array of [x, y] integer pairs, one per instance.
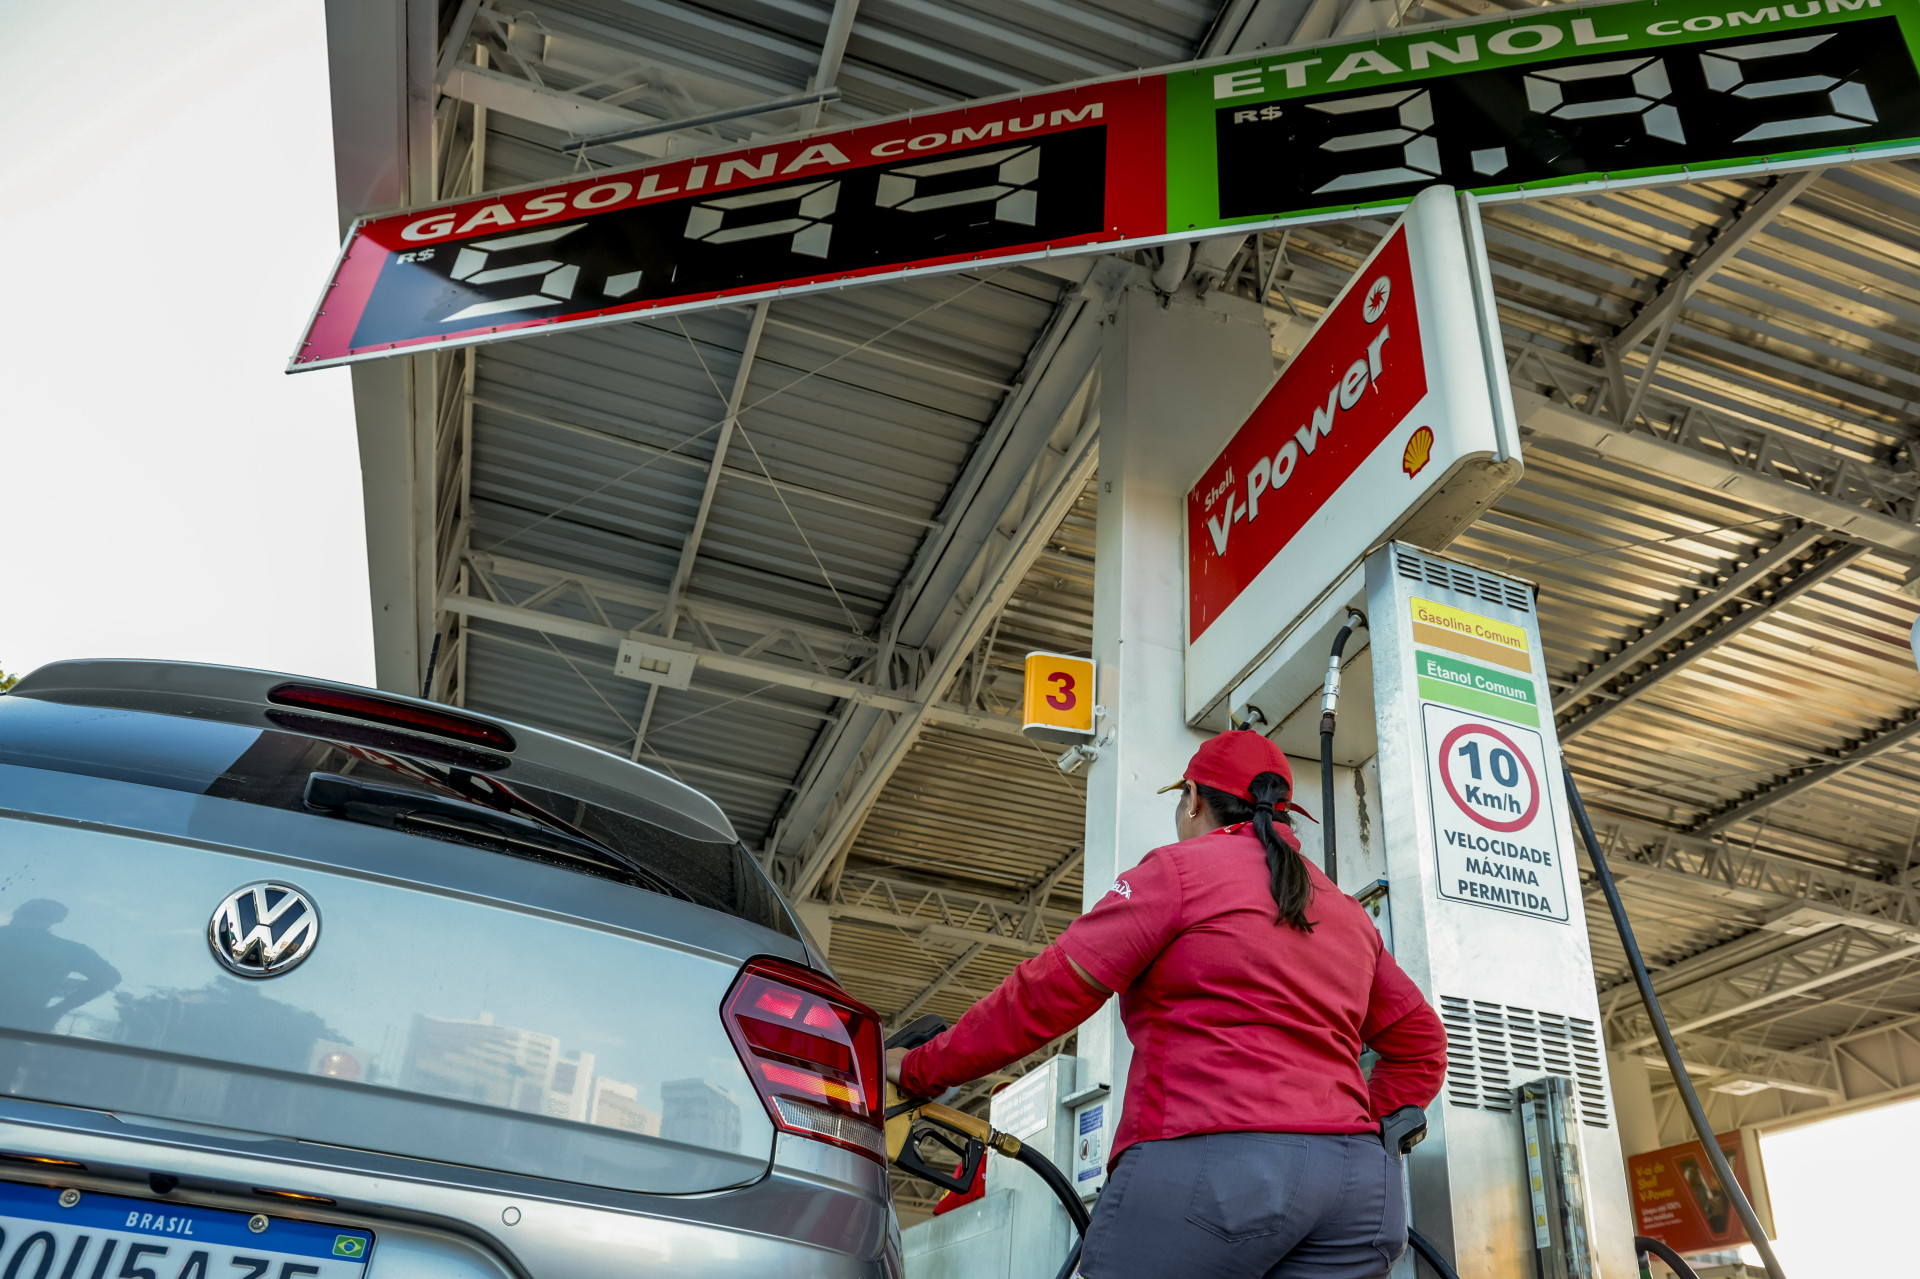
{"points": [[110, 1237]]}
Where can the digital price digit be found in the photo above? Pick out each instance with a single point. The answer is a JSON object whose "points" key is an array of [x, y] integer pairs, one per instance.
{"points": [[1728, 69], [1419, 150]]}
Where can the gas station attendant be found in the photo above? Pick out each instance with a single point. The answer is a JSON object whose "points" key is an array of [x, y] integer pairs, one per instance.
{"points": [[1249, 1141]]}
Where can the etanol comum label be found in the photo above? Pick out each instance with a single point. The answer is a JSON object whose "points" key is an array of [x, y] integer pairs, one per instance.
{"points": [[1474, 687]]}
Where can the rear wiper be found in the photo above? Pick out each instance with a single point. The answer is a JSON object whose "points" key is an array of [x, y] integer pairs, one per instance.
{"points": [[397, 808]]}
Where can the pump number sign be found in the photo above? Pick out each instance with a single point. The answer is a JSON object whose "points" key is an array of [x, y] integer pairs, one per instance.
{"points": [[1557, 99], [1495, 826]]}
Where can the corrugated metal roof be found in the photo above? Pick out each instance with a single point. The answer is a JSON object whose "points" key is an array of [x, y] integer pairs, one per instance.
{"points": [[590, 452]]}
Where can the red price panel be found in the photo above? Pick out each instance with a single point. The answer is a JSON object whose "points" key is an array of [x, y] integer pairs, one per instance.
{"points": [[1496, 830]]}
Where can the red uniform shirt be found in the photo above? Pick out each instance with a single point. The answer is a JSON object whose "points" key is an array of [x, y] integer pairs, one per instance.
{"points": [[1238, 1023]]}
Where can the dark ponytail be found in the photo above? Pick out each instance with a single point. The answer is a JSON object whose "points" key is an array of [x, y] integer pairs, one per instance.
{"points": [[1292, 889]]}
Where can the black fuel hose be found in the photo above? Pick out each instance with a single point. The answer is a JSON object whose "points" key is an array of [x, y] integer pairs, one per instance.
{"points": [[1057, 1183], [1642, 1244], [1431, 1255], [1668, 1048], [1329, 705], [1073, 1259]]}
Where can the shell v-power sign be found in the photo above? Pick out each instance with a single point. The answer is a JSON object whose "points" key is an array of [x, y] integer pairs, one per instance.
{"points": [[1561, 98]]}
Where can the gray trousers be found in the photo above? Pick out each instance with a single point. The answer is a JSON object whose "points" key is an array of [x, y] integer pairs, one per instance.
{"points": [[1241, 1205]]}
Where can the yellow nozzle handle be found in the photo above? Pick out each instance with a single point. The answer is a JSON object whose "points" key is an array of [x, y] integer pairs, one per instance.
{"points": [[900, 1127]]}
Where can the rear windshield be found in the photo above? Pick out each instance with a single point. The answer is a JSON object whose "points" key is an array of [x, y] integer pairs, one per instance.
{"points": [[272, 766]]}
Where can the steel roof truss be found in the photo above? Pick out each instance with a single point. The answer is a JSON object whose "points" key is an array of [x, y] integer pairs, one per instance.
{"points": [[1690, 615], [1740, 228], [1763, 882], [765, 672], [1794, 969], [1746, 460], [1665, 663], [1030, 904], [1890, 738], [1724, 1061]]}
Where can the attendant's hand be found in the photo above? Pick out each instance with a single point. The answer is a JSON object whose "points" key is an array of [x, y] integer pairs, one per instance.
{"points": [[894, 1057]]}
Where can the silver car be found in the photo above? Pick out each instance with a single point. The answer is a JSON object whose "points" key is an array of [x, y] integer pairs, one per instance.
{"points": [[303, 981]]}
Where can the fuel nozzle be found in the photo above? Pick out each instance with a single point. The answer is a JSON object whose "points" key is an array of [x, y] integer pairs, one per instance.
{"points": [[1329, 705], [1330, 694]]}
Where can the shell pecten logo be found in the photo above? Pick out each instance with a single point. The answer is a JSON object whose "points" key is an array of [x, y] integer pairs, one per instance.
{"points": [[1419, 452]]}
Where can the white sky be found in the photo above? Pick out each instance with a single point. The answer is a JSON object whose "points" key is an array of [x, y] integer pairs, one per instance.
{"points": [[165, 490], [1844, 1194]]}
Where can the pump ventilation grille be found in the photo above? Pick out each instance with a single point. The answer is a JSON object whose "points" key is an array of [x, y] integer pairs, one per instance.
{"points": [[1493, 1048], [1458, 577]]}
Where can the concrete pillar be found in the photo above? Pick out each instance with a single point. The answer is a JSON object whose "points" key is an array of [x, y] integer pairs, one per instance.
{"points": [[1176, 381], [1639, 1123]]}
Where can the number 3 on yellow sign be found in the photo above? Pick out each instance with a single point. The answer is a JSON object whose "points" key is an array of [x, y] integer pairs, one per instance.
{"points": [[1059, 698]]}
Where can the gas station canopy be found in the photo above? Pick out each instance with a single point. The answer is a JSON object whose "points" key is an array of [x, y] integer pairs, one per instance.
{"points": [[793, 545]]}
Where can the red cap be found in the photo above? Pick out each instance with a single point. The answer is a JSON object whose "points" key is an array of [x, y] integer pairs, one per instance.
{"points": [[1230, 762]]}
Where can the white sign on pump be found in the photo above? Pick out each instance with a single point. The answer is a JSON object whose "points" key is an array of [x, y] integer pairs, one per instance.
{"points": [[1496, 826], [1393, 420]]}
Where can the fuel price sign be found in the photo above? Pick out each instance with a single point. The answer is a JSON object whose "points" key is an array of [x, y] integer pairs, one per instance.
{"points": [[1559, 98], [1496, 830]]}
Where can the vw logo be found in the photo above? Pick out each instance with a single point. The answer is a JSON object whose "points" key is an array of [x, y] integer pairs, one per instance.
{"points": [[263, 930]]}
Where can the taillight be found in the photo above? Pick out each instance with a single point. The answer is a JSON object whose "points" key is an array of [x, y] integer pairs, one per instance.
{"points": [[814, 1054], [374, 709]]}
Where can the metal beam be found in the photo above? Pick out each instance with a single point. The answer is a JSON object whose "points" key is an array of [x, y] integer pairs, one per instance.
{"points": [[1761, 882], [1745, 224], [1024, 926], [934, 987], [939, 932], [1243, 25], [835, 644], [1746, 461], [1794, 969], [1688, 616], [833, 50], [723, 114], [1893, 736], [457, 36], [1669, 663], [716, 465], [1866, 1068], [1723, 1062], [850, 743], [576, 116], [745, 667]]}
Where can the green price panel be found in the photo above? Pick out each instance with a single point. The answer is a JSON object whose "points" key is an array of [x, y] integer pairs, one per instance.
{"points": [[1558, 99]]}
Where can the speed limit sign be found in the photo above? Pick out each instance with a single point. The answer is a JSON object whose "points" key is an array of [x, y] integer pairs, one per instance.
{"points": [[1489, 778], [1496, 828]]}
